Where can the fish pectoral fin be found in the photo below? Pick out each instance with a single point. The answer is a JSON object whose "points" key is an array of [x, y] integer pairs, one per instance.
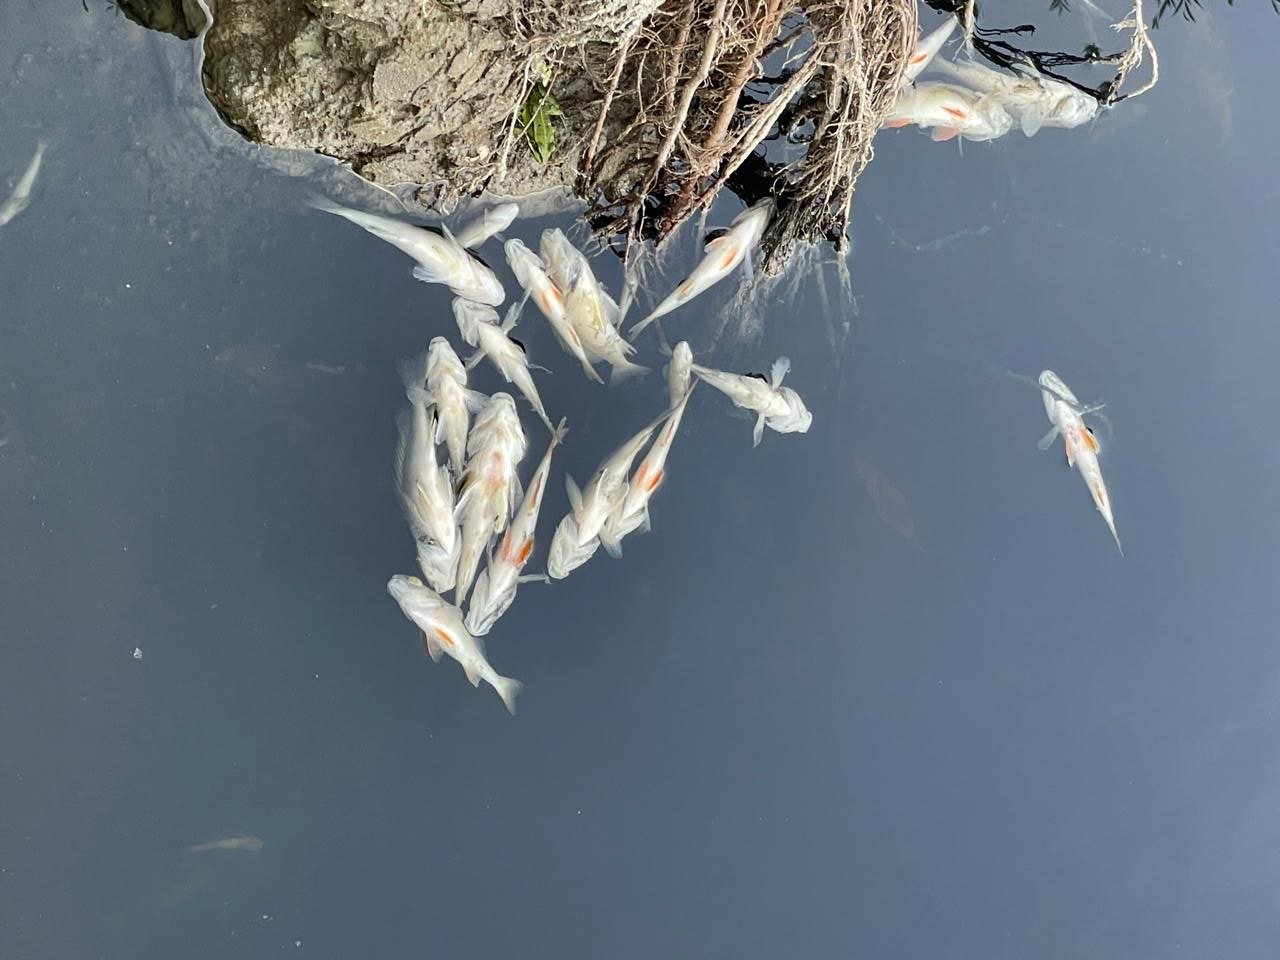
{"points": [[758, 433], [474, 359], [943, 134], [575, 494], [896, 123], [433, 646], [748, 268], [475, 400], [1090, 440], [513, 315], [1047, 440], [426, 275], [781, 367]]}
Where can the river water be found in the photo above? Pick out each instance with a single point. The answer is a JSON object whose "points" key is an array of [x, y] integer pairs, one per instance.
{"points": [[886, 689]]}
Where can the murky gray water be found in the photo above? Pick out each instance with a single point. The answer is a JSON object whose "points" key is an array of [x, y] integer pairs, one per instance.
{"points": [[881, 690]]}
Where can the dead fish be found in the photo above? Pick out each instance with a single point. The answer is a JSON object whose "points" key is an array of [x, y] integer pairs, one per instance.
{"points": [[927, 48], [950, 111], [496, 586], [493, 221], [444, 632], [20, 199], [723, 255], [567, 553], [777, 407], [245, 844], [441, 259], [1067, 416], [531, 274], [1036, 100], [480, 328]]}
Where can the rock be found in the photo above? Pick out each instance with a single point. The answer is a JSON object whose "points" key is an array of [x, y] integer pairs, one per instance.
{"points": [[402, 90]]}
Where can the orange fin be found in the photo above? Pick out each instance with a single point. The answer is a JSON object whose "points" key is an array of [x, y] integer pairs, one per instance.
{"points": [[896, 122], [1090, 440], [943, 134]]}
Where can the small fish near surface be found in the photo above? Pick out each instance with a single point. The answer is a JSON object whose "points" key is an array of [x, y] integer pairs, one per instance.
{"points": [[495, 588], [950, 111], [1036, 100], [608, 485], [777, 407], [426, 490], [489, 488], [441, 259], [927, 48], [242, 844], [532, 276], [722, 255], [447, 388], [632, 512], [480, 328], [1067, 416], [489, 223], [679, 372], [20, 199], [444, 632]]}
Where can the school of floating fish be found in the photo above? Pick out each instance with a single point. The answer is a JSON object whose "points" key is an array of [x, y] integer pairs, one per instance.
{"points": [[981, 103], [459, 451]]}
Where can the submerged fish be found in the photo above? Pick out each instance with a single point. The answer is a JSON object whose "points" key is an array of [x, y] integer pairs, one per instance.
{"points": [[1037, 101], [441, 259], [447, 389], [777, 407], [608, 485], [567, 553], [888, 500], [927, 48], [950, 111], [1067, 416], [532, 276], [444, 632], [480, 328], [723, 254], [496, 586], [493, 221], [632, 512], [20, 199], [245, 844], [490, 487]]}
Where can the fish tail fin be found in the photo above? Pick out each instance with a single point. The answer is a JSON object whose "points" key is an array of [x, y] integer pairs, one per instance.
{"points": [[626, 370], [318, 202], [508, 689], [639, 328]]}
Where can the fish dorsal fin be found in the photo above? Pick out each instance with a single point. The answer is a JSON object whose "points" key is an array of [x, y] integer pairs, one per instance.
{"points": [[713, 238], [781, 367], [575, 495]]}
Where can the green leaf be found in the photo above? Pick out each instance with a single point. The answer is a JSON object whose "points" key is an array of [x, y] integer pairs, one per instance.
{"points": [[535, 117]]}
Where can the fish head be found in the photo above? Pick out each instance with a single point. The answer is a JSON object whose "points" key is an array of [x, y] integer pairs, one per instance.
{"points": [[559, 255], [443, 361], [754, 219], [524, 263], [1071, 109], [1052, 391], [564, 551], [485, 287], [414, 596]]}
